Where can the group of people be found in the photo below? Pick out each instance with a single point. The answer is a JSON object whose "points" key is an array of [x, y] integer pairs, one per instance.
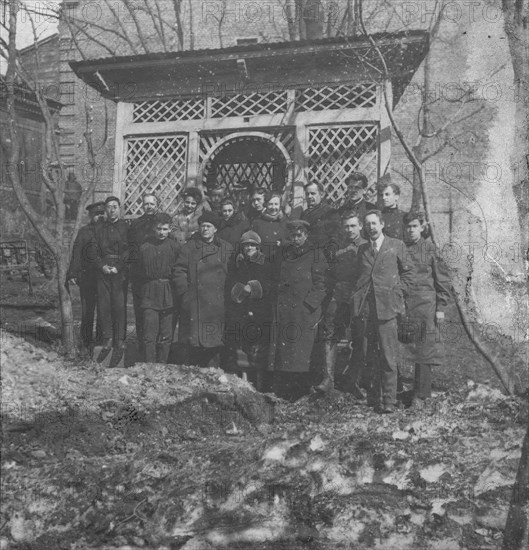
{"points": [[269, 291]]}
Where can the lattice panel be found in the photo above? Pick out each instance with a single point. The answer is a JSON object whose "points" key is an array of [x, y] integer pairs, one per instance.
{"points": [[168, 111], [260, 173], [335, 151], [268, 103], [336, 97], [158, 164]]}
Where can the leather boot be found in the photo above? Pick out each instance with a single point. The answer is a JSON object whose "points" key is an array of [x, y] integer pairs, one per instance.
{"points": [[327, 384]]}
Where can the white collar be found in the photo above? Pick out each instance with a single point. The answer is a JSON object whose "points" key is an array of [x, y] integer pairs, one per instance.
{"points": [[378, 242]]}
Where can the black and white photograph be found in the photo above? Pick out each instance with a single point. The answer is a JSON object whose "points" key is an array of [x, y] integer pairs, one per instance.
{"points": [[264, 274]]}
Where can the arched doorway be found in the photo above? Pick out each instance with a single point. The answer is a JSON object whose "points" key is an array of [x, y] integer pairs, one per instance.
{"points": [[247, 160]]}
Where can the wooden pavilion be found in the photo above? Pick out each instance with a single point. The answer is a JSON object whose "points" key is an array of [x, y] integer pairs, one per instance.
{"points": [[276, 115]]}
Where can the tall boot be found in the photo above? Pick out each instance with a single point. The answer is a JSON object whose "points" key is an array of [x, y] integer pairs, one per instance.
{"points": [[327, 384]]}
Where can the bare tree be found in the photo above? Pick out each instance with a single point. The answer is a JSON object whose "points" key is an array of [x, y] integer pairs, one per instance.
{"points": [[53, 230]]}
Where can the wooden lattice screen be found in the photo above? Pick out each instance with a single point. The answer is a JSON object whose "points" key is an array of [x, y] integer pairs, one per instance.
{"points": [[335, 151], [154, 163]]}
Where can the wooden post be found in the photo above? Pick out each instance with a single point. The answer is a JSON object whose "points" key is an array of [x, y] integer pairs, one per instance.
{"points": [[385, 129], [123, 118]]}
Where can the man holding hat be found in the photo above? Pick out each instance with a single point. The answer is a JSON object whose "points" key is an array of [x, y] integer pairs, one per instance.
{"points": [[249, 309], [82, 271], [200, 280], [112, 250]]}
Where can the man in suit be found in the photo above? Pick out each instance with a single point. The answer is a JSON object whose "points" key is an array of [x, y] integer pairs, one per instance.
{"points": [[82, 271], [356, 183], [384, 277]]}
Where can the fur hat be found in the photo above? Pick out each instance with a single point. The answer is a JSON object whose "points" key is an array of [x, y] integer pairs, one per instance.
{"points": [[209, 217], [250, 237]]}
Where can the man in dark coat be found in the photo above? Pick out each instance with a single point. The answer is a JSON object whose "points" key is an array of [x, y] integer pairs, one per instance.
{"points": [[384, 276], [388, 197], [140, 230], [157, 262], [257, 204], [354, 197], [426, 303], [249, 310], [200, 280], [112, 251], [83, 272], [323, 219], [301, 290], [337, 317]]}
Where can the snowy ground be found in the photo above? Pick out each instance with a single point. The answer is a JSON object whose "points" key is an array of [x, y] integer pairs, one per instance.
{"points": [[160, 456]]}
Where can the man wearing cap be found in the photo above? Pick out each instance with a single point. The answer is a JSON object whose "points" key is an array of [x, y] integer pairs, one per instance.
{"points": [[300, 293], [249, 309], [83, 272], [385, 277], [200, 280], [112, 249], [140, 230], [388, 197]]}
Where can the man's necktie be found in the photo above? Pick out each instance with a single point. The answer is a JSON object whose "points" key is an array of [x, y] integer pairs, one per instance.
{"points": [[374, 249]]}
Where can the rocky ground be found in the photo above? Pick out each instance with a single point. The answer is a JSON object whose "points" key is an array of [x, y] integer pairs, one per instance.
{"points": [[164, 456]]}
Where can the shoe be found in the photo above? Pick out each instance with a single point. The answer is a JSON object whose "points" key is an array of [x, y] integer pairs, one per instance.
{"points": [[104, 353], [387, 409], [117, 355], [417, 404]]}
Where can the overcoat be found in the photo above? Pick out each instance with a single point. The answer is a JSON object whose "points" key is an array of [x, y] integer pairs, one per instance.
{"points": [[429, 293], [389, 275], [325, 225], [300, 292], [250, 321], [200, 282], [393, 223], [82, 264], [273, 233]]}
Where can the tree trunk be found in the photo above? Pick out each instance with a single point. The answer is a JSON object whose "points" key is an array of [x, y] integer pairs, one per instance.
{"points": [[516, 532], [65, 305], [516, 14]]}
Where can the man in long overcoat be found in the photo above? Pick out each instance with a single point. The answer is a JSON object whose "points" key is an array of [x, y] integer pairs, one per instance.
{"points": [[426, 303], [83, 272], [384, 277], [200, 281], [301, 290]]}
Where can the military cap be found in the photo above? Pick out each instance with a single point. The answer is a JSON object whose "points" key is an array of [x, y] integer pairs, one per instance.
{"points": [[209, 217], [96, 207], [294, 225]]}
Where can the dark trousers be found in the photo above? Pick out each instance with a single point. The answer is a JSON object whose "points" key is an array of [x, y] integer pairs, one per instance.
{"points": [[135, 288], [111, 306], [157, 329], [423, 381], [382, 360], [88, 293]]}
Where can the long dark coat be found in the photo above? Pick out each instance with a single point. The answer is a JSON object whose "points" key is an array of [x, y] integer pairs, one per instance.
{"points": [[250, 321], [301, 290], [325, 226], [200, 281], [429, 293], [273, 233]]}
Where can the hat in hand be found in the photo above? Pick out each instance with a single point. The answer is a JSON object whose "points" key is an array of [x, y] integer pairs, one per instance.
{"points": [[238, 294]]}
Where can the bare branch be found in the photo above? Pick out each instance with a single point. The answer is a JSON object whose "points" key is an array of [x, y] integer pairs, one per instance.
{"points": [[141, 37], [124, 32]]}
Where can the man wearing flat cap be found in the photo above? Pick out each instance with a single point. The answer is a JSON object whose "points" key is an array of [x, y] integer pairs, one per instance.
{"points": [[112, 250], [82, 271], [200, 281], [249, 309]]}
